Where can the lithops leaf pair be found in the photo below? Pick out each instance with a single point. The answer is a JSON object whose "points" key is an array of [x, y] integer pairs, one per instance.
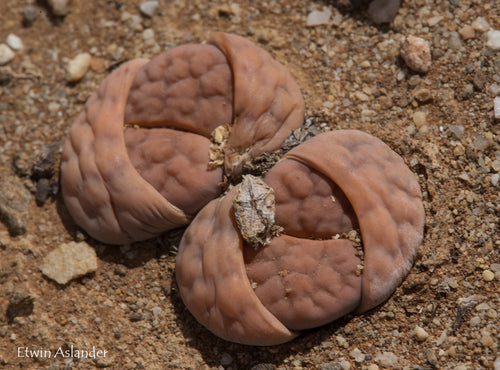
{"points": [[136, 160], [315, 271]]}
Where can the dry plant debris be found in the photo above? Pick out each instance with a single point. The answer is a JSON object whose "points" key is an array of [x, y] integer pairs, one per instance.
{"points": [[254, 210]]}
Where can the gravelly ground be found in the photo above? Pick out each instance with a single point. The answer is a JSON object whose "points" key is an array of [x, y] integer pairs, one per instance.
{"points": [[350, 73]]}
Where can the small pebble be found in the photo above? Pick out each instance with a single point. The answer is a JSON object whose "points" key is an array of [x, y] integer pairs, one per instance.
{"points": [[14, 204], [475, 321], [342, 342], [493, 40], [416, 53], [365, 64], [235, 9], [480, 25], [467, 32], [423, 95], [487, 340], [59, 8], [134, 21], [414, 80], [496, 104], [14, 42], [479, 80], [454, 41], [29, 15], [386, 359], [457, 130], [494, 89], [480, 142], [420, 334], [157, 312], [361, 96], [224, 11], [357, 355], [135, 316], [121, 270], [491, 314], [148, 34], [77, 67], [383, 11], [42, 191], [488, 275], [431, 357], [226, 359], [149, 8], [483, 307], [345, 365], [330, 366], [53, 107], [495, 178], [496, 365], [69, 261], [318, 18], [457, 152], [496, 165], [6, 54], [328, 104], [464, 176], [468, 91], [420, 118], [432, 21]]}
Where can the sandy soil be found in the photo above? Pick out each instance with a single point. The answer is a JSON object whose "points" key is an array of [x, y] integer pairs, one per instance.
{"points": [[351, 75]]}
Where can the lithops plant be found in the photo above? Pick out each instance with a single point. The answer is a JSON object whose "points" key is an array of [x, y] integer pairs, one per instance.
{"points": [[319, 268], [138, 159]]}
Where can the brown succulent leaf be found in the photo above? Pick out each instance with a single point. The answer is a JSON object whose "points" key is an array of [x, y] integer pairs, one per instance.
{"points": [[102, 189], [259, 126], [213, 282], [308, 203], [175, 164], [188, 87], [385, 197], [305, 283]]}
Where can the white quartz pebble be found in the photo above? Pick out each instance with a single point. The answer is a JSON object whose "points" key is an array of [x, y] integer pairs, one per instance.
{"points": [[6, 54], [77, 67], [14, 42], [493, 42]]}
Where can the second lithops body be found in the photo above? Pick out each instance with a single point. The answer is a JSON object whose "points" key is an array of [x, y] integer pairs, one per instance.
{"points": [[313, 272]]}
